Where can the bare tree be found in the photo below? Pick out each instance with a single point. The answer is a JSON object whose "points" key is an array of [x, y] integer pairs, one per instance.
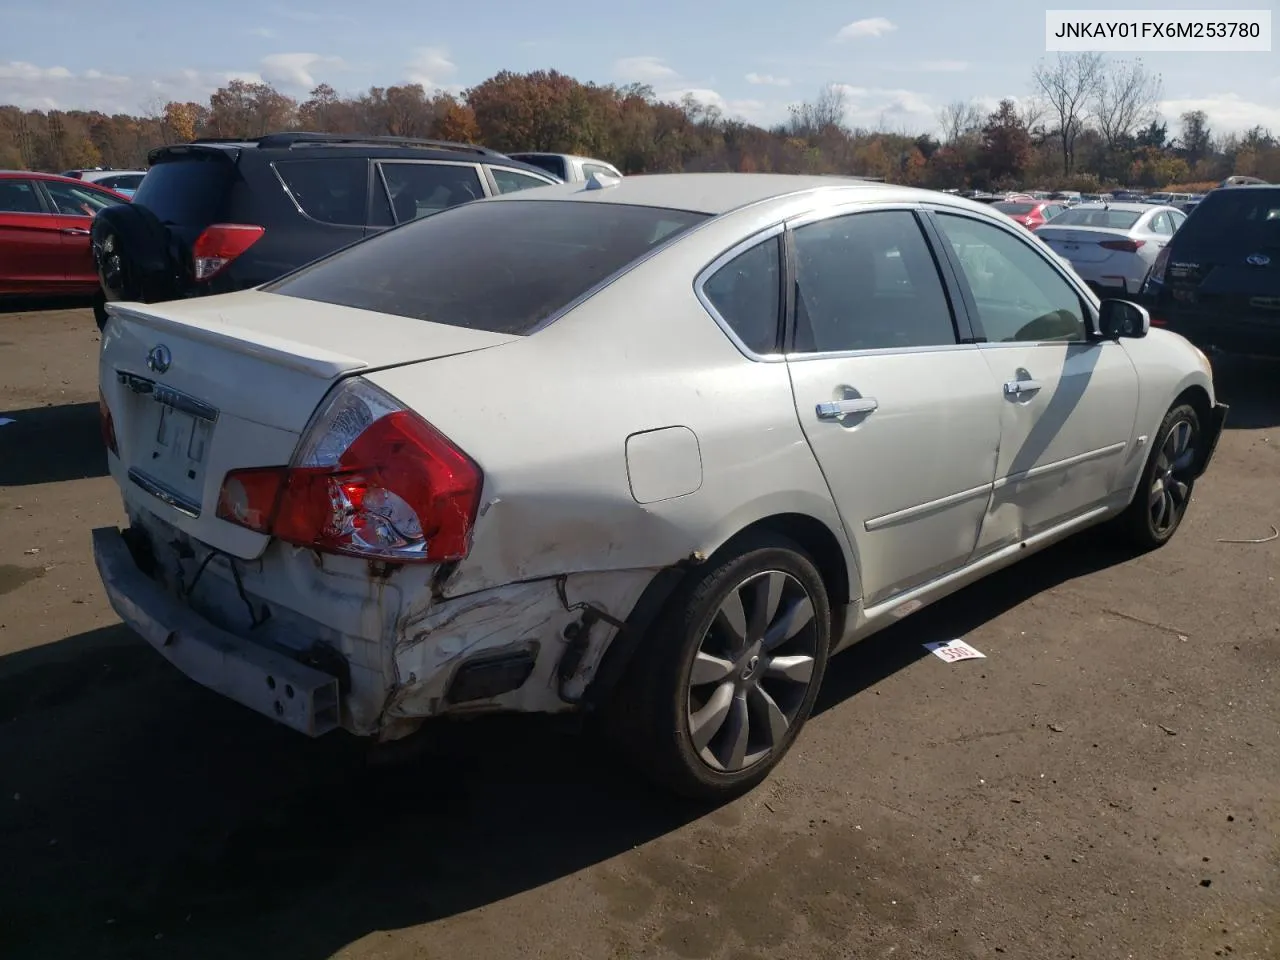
{"points": [[825, 113], [1069, 86], [959, 119], [1126, 101]]}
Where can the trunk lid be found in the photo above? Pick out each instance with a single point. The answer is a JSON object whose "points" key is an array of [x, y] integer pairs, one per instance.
{"points": [[1080, 244], [197, 388]]}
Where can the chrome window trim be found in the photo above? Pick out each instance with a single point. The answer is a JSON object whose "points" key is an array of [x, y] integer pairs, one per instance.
{"points": [[723, 260]]}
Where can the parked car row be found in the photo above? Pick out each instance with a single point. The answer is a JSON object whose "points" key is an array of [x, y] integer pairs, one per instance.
{"points": [[217, 215]]}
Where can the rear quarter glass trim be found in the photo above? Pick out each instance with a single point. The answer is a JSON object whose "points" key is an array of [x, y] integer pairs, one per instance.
{"points": [[711, 269]]}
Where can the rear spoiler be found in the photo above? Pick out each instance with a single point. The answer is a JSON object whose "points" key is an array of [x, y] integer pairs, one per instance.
{"points": [[159, 154]]}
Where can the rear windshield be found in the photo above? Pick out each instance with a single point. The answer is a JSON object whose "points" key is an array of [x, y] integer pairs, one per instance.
{"points": [[189, 191], [1238, 217], [1015, 209], [1084, 217], [499, 266]]}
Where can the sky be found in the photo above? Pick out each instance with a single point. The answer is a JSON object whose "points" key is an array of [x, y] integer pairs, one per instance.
{"points": [[898, 61]]}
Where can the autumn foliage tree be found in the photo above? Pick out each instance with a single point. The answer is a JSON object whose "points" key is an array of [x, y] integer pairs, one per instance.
{"points": [[1105, 131]]}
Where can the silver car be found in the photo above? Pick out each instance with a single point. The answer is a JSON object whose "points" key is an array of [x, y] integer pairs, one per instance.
{"points": [[651, 448], [1112, 245]]}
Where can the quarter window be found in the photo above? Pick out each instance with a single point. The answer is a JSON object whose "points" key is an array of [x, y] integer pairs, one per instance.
{"points": [[1161, 224], [1019, 296], [591, 168], [334, 191], [421, 189], [868, 281], [747, 293], [509, 181]]}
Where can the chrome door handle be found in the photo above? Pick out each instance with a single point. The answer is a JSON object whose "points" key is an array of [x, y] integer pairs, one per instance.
{"points": [[1017, 388], [836, 409], [75, 231]]}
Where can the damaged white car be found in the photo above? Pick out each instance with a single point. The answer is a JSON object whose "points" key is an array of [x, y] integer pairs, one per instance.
{"points": [[654, 447]]}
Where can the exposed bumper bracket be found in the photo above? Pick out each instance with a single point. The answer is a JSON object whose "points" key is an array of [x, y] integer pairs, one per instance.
{"points": [[257, 677]]}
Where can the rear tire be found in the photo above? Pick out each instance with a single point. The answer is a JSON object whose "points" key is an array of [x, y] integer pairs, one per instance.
{"points": [[1164, 492], [726, 678]]}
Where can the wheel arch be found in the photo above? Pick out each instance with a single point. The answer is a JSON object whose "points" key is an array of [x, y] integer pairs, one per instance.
{"points": [[824, 546]]}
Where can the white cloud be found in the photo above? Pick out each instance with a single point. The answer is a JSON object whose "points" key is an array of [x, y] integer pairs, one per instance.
{"points": [[296, 69], [943, 66], [642, 70], [870, 27], [1227, 112], [876, 108], [34, 87], [767, 80], [430, 67]]}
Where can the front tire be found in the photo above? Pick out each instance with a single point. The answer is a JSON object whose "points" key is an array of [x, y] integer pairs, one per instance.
{"points": [[1163, 494], [725, 680]]}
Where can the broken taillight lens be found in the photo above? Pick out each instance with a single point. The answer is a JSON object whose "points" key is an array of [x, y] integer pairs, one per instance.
{"points": [[370, 479]]}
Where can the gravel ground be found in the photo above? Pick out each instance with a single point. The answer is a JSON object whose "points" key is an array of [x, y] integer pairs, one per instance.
{"points": [[1105, 784]]}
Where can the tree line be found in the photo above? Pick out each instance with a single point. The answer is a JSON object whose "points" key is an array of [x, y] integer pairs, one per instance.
{"points": [[1089, 123]]}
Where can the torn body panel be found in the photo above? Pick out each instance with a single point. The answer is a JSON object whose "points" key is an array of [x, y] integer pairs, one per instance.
{"points": [[396, 645]]}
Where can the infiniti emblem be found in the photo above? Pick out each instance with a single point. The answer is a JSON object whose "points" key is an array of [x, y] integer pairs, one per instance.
{"points": [[1257, 260], [159, 358]]}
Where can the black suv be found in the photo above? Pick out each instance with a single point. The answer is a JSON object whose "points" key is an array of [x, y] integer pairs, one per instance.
{"points": [[1218, 281], [213, 216]]}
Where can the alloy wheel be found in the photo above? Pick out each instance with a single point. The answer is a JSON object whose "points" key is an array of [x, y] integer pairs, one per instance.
{"points": [[1171, 481], [752, 671]]}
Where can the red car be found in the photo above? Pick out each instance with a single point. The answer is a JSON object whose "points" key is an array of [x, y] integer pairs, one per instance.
{"points": [[1031, 213], [44, 234]]}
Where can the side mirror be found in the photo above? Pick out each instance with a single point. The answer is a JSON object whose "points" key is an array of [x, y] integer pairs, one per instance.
{"points": [[1120, 318]]}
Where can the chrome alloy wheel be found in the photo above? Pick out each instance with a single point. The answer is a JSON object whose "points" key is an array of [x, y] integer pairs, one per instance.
{"points": [[1170, 482], [752, 671]]}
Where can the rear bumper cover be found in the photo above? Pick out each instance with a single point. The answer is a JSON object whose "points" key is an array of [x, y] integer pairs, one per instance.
{"points": [[1212, 434], [291, 693]]}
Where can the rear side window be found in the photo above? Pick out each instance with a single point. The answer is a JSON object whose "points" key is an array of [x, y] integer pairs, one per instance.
{"points": [[499, 266], [588, 169], [552, 164], [509, 181], [1237, 217], [78, 199], [1015, 209], [192, 191], [334, 190], [19, 196], [747, 293], [421, 189]]}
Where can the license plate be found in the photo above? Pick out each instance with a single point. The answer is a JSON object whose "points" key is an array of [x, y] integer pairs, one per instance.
{"points": [[181, 442]]}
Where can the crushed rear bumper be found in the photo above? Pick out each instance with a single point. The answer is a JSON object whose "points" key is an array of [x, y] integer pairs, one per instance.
{"points": [[257, 677]]}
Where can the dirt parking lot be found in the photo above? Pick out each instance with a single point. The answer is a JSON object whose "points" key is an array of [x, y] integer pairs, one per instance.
{"points": [[1105, 784]]}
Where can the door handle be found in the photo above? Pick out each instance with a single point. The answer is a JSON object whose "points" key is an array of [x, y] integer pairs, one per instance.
{"points": [[75, 232], [835, 409], [1018, 388]]}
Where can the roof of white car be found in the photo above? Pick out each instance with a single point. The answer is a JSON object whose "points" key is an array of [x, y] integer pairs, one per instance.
{"points": [[716, 193], [1122, 207]]}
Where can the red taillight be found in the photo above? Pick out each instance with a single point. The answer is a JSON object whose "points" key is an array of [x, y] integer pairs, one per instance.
{"points": [[108, 424], [371, 480], [1128, 246], [221, 243]]}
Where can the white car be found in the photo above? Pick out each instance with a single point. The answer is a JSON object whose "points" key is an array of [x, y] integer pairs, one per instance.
{"points": [[567, 166], [653, 448], [1112, 245]]}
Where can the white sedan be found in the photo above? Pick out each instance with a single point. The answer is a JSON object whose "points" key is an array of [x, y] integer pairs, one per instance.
{"points": [[1113, 245], [650, 448]]}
